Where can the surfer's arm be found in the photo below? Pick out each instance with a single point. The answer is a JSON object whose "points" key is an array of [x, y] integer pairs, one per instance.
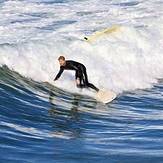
{"points": [[59, 73]]}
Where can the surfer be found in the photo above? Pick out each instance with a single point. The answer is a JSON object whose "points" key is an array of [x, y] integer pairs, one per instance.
{"points": [[81, 74]]}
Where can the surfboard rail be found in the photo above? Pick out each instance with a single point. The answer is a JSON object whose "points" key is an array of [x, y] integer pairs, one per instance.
{"points": [[105, 96]]}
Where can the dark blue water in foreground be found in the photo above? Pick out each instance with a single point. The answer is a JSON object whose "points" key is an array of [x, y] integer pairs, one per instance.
{"points": [[40, 123]]}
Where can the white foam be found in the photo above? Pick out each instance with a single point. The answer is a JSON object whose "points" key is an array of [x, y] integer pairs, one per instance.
{"points": [[31, 42]]}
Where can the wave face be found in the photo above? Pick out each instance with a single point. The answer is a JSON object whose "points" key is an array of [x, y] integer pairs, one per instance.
{"points": [[41, 122], [40, 118]]}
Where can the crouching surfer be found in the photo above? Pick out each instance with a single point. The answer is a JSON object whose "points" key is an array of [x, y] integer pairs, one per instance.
{"points": [[79, 68]]}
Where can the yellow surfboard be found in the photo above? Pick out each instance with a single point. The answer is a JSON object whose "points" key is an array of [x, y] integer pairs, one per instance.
{"points": [[106, 31]]}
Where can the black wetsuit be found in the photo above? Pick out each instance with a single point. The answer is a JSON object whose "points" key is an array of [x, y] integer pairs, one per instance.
{"points": [[80, 73]]}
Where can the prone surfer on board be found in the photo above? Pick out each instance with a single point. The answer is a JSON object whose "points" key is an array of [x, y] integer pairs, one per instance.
{"points": [[81, 74]]}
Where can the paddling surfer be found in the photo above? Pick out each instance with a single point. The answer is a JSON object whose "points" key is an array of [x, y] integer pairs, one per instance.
{"points": [[80, 69]]}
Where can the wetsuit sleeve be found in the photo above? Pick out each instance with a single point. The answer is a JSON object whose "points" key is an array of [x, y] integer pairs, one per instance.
{"points": [[59, 73]]}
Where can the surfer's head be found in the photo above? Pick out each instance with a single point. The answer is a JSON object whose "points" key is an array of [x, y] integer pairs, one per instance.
{"points": [[62, 61]]}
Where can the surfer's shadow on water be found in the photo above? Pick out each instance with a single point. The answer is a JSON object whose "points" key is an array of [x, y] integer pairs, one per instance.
{"points": [[66, 116], [69, 111], [60, 101], [73, 103]]}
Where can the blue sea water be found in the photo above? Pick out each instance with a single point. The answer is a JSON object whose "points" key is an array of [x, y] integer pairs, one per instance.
{"points": [[42, 122]]}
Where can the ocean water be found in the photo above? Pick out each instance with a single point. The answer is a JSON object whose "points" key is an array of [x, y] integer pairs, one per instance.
{"points": [[42, 122]]}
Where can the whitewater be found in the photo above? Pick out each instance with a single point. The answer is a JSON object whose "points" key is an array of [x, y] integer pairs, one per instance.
{"points": [[34, 36], [60, 123]]}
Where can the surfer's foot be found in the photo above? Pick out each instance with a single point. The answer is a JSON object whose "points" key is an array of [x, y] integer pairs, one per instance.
{"points": [[99, 92]]}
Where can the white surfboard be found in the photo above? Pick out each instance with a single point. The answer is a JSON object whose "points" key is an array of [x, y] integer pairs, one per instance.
{"points": [[105, 96]]}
